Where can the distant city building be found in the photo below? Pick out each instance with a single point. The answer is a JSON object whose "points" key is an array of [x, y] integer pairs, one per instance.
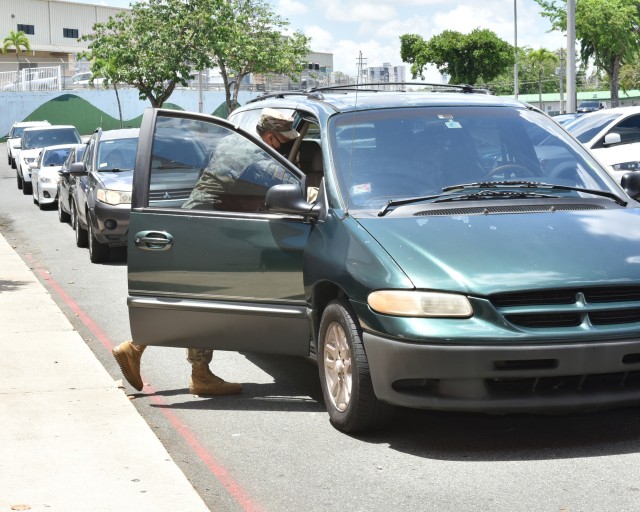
{"points": [[384, 74]]}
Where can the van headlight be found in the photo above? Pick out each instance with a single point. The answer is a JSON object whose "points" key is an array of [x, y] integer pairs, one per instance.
{"points": [[113, 197], [420, 304]]}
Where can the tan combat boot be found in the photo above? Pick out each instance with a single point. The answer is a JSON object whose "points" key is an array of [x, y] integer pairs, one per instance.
{"points": [[128, 357], [203, 382]]}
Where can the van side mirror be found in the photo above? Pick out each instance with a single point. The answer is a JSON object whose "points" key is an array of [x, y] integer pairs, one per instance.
{"points": [[288, 198], [630, 183]]}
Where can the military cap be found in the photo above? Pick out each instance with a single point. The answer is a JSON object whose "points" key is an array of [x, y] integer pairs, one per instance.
{"points": [[272, 120]]}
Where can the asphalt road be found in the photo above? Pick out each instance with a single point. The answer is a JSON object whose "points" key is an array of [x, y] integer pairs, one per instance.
{"points": [[272, 448]]}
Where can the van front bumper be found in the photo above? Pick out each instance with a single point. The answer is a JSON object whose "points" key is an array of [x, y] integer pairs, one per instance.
{"points": [[502, 379]]}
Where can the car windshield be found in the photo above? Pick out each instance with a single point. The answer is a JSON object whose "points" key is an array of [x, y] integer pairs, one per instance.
{"points": [[588, 126], [387, 155], [55, 157], [44, 138], [117, 154]]}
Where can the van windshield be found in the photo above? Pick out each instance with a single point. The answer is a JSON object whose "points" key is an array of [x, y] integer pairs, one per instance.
{"points": [[390, 154]]}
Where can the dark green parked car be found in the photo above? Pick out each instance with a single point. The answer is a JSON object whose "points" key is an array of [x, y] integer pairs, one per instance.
{"points": [[445, 250]]}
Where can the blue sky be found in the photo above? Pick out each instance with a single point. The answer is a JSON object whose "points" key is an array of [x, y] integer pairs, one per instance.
{"points": [[373, 27]]}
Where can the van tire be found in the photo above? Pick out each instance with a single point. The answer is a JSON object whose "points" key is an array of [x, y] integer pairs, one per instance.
{"points": [[344, 373]]}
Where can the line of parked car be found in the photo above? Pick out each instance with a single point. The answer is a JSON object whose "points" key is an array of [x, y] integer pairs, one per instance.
{"points": [[88, 180]]}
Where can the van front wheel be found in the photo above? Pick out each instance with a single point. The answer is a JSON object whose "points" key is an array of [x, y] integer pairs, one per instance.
{"points": [[344, 373]]}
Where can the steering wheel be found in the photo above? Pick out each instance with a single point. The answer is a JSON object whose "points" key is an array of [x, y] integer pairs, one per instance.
{"points": [[519, 170]]}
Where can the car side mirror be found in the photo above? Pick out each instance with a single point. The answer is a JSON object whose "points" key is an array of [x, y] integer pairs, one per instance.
{"points": [[630, 183], [78, 169], [17, 146], [288, 198], [612, 138], [33, 165]]}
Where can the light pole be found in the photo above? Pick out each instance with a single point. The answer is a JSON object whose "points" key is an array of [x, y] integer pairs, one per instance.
{"points": [[571, 56], [515, 43]]}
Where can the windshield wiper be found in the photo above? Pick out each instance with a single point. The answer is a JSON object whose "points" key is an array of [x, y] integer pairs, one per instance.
{"points": [[536, 184], [401, 202], [495, 194], [115, 169], [502, 194]]}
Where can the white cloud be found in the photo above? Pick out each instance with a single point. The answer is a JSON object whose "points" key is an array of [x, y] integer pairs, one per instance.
{"points": [[287, 8], [347, 12]]}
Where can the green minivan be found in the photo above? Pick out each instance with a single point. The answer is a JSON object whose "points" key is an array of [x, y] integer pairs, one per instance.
{"points": [[441, 249]]}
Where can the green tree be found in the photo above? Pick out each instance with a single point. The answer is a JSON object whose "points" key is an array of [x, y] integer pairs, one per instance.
{"points": [[155, 46], [540, 60], [108, 70], [608, 32], [246, 37], [16, 40], [466, 58], [529, 79], [630, 75]]}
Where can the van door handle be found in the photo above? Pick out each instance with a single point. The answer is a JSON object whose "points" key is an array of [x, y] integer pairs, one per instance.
{"points": [[153, 240]]}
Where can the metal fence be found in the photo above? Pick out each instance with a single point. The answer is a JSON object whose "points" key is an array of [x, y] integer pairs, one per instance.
{"points": [[32, 79]]}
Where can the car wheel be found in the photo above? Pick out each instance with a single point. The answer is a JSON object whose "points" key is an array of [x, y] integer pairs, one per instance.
{"points": [[81, 233], [19, 180], [344, 373], [13, 163], [27, 188], [98, 252], [62, 215]]}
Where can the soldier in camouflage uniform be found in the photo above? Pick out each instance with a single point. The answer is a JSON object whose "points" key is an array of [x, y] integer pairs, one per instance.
{"points": [[233, 156]]}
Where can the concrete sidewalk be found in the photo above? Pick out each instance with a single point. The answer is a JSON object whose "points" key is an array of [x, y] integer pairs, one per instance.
{"points": [[70, 440]]}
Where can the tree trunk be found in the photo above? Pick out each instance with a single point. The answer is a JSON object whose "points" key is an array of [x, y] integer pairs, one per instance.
{"points": [[115, 88], [615, 79]]}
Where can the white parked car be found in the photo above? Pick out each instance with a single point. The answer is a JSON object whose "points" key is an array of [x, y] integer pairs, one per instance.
{"points": [[84, 79], [32, 141], [613, 137], [45, 176], [13, 139]]}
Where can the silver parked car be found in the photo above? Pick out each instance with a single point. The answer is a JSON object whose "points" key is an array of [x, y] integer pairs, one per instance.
{"points": [[102, 197]]}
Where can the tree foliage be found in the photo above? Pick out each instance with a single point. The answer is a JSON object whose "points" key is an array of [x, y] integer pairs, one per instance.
{"points": [[160, 43], [253, 42], [608, 32], [535, 74], [155, 46], [466, 58], [108, 70], [16, 40], [540, 60]]}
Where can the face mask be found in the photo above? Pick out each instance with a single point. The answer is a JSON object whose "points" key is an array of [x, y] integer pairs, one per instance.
{"points": [[285, 148]]}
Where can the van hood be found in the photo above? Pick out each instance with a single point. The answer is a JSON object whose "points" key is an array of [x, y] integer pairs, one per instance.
{"points": [[485, 254]]}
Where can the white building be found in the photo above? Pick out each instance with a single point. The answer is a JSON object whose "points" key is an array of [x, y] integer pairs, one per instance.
{"points": [[53, 28]]}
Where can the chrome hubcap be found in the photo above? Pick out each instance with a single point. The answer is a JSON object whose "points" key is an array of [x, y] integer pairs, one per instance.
{"points": [[337, 367]]}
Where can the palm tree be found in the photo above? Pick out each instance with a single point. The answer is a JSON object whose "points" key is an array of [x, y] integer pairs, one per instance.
{"points": [[16, 40], [109, 71], [539, 59]]}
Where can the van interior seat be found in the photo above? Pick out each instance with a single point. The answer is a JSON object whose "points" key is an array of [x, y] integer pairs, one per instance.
{"points": [[310, 162]]}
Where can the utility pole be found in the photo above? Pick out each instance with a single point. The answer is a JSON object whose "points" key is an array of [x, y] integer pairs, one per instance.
{"points": [[361, 62]]}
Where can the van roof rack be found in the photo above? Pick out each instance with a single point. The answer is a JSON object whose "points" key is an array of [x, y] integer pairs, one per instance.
{"points": [[375, 87], [316, 92]]}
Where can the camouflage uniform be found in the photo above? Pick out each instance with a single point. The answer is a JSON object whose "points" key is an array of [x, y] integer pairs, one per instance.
{"points": [[233, 155]]}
